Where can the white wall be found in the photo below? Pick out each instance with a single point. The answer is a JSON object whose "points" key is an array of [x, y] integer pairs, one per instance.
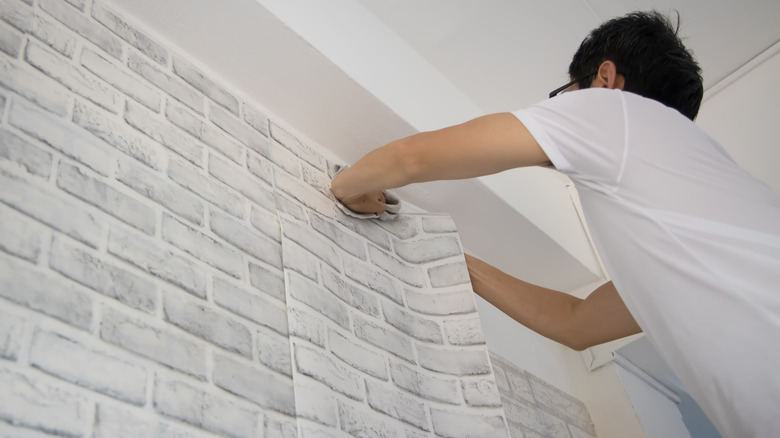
{"points": [[743, 118]]}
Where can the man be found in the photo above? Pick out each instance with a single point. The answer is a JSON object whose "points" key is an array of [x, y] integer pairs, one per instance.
{"points": [[690, 240]]}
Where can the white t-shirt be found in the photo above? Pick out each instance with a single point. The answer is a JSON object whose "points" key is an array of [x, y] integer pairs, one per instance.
{"points": [[690, 240]]}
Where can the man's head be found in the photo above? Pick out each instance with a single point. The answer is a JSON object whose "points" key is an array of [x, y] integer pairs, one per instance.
{"points": [[647, 52]]}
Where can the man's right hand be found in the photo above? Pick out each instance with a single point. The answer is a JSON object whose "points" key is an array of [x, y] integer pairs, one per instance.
{"points": [[368, 203]]}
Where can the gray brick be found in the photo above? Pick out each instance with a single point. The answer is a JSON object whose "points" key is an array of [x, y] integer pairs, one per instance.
{"points": [[280, 428], [438, 224], [267, 280], [555, 427], [482, 392], [317, 298], [413, 325], [200, 82], [316, 179], [202, 247], [441, 303], [246, 239], [304, 194], [206, 323], [516, 379], [360, 422], [98, 274], [59, 213], [267, 389], [159, 189], [120, 136], [464, 331], [397, 405], [453, 424], [371, 278], [356, 355], [188, 403], [10, 431], [162, 80], [319, 366], [368, 229], [451, 274], [409, 274], [67, 359], [273, 351], [266, 221], [154, 342], [311, 241], [78, 4], [33, 403], [252, 306], [286, 160], [458, 361], [291, 208], [60, 135], [338, 235], [72, 78], [403, 227], [427, 250], [32, 85], [207, 133], [313, 430], [256, 119], [260, 167], [297, 147], [40, 26], [239, 179], [11, 330], [576, 432], [560, 404], [520, 412], [120, 79], [238, 130], [82, 25], [33, 159], [306, 324], [152, 257], [384, 337], [11, 41], [136, 38], [299, 260], [318, 404], [35, 289], [115, 422], [160, 131], [20, 235], [351, 294], [112, 201]]}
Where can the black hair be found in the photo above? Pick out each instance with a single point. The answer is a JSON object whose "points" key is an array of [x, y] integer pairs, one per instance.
{"points": [[647, 51]]}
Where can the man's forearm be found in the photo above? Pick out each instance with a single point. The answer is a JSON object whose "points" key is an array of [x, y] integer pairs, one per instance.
{"points": [[545, 311], [576, 323]]}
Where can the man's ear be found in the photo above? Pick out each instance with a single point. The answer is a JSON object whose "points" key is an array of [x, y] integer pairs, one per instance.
{"points": [[608, 77]]}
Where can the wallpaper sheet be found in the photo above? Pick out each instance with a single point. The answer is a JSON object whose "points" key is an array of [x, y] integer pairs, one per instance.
{"points": [[384, 333]]}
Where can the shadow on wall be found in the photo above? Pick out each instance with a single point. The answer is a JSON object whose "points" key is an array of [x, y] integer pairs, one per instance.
{"points": [[147, 288]]}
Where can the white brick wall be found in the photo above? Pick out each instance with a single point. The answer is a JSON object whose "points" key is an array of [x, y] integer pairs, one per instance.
{"points": [[148, 287], [536, 408]]}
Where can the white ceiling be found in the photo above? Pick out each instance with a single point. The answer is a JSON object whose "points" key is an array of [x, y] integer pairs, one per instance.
{"points": [[351, 75]]}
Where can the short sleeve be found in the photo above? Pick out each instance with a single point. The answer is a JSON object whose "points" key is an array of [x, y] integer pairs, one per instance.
{"points": [[583, 134]]}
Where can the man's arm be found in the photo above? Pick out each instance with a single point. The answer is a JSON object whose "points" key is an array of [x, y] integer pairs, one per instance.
{"points": [[482, 146], [576, 323]]}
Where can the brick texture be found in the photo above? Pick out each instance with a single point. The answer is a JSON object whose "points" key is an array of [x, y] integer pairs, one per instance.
{"points": [[172, 264]]}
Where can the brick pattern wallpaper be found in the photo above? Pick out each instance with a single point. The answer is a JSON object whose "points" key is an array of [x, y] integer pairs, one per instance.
{"points": [[373, 352], [145, 279], [536, 409]]}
